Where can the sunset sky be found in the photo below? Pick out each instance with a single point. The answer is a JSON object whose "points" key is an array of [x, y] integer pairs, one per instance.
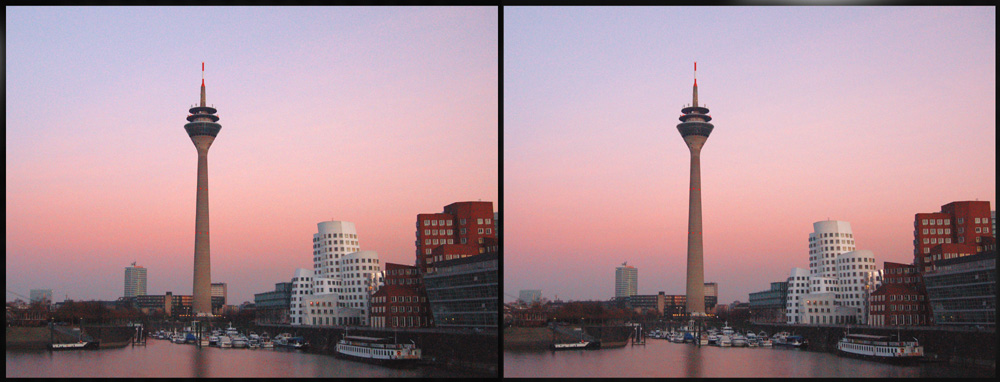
{"points": [[863, 114], [369, 115]]}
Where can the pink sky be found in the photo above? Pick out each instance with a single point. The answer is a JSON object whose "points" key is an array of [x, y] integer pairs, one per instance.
{"points": [[369, 115], [862, 114]]}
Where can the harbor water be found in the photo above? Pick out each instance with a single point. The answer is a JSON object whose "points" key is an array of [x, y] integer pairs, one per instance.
{"points": [[661, 358], [160, 358]]}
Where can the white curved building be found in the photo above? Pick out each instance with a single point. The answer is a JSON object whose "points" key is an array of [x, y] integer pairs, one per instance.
{"points": [[829, 239], [798, 286], [837, 277], [854, 270], [302, 286], [342, 280]]}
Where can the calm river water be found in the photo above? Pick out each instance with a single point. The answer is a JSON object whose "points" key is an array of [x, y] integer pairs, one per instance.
{"points": [[660, 358], [161, 358]]}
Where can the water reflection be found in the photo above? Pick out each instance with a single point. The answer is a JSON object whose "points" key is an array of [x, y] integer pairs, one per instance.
{"points": [[661, 358], [692, 361], [163, 359], [200, 363]]}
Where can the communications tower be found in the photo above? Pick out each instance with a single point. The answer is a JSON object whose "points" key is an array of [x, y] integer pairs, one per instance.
{"points": [[202, 128], [694, 127]]}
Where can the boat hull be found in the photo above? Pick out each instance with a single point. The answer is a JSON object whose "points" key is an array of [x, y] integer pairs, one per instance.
{"points": [[576, 346], [75, 346], [909, 360]]}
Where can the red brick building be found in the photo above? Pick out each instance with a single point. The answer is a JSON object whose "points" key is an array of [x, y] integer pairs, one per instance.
{"points": [[901, 299], [402, 301], [962, 228], [465, 227]]}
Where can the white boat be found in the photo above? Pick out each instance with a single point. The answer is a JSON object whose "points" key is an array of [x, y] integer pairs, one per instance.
{"points": [[266, 344], [725, 340], [378, 350], [239, 342], [880, 348], [739, 341], [225, 342], [763, 341], [751, 339]]}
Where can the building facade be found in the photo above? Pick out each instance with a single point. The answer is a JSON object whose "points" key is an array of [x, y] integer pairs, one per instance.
{"points": [[901, 299], [838, 279], [469, 225], [343, 276], [798, 288], [41, 295], [769, 306], [402, 300], [529, 296], [626, 280], [963, 228], [219, 290], [962, 291], [135, 281], [464, 292], [274, 307]]}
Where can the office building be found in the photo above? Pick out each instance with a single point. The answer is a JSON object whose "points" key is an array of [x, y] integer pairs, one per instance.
{"points": [[41, 295], [464, 292], [274, 307], [219, 290], [960, 229], [135, 281], [901, 299], [626, 280], [837, 282], [963, 291], [402, 300], [529, 296], [344, 277], [769, 306], [466, 228]]}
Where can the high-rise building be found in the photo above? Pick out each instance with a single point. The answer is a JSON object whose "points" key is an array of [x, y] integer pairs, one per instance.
{"points": [[529, 296], [42, 295], [135, 281], [219, 290], [695, 128], [959, 229], [626, 280], [202, 128], [463, 229]]}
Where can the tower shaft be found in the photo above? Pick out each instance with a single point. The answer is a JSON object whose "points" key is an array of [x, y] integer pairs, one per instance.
{"points": [[202, 296], [695, 290]]}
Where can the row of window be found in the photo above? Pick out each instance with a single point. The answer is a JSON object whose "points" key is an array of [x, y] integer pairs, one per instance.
{"points": [[831, 234], [337, 235], [939, 221], [431, 223]]}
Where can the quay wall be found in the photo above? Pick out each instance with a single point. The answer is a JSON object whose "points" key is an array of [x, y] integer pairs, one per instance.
{"points": [[40, 337], [957, 346], [453, 350], [539, 338]]}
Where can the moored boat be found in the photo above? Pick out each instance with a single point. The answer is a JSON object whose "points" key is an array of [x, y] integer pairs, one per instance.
{"points": [[378, 350], [880, 348]]}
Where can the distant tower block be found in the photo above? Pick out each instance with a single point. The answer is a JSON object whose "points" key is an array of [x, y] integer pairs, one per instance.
{"points": [[694, 127], [202, 129]]}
